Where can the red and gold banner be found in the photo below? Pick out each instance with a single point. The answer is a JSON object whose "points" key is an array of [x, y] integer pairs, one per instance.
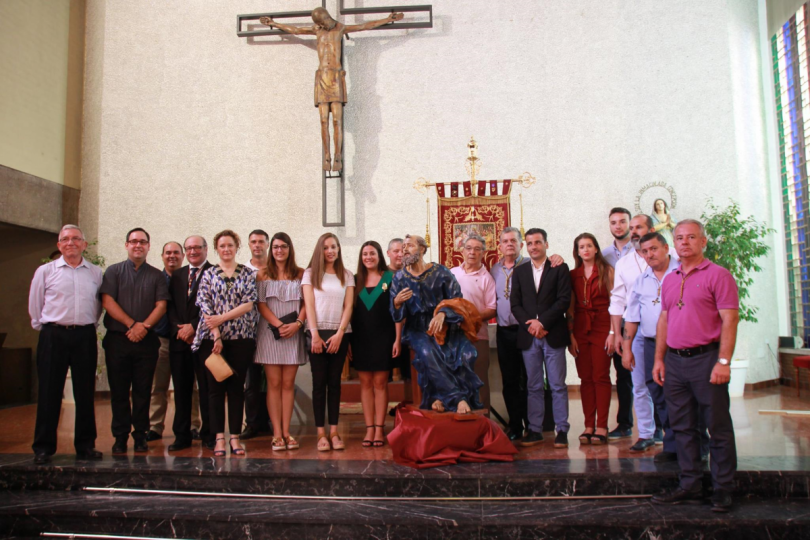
{"points": [[462, 216]]}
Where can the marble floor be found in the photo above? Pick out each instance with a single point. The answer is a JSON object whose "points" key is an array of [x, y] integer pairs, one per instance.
{"points": [[757, 435]]}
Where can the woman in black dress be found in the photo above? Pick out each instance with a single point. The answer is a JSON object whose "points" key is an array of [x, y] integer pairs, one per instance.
{"points": [[375, 339]]}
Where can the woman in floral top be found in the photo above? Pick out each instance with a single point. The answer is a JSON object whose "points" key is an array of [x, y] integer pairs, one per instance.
{"points": [[226, 295]]}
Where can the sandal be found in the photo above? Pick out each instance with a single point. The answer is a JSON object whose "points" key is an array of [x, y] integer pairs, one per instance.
{"points": [[238, 451], [278, 444], [598, 440], [292, 444], [339, 445], [585, 438], [325, 446], [366, 442], [380, 444], [219, 453]]}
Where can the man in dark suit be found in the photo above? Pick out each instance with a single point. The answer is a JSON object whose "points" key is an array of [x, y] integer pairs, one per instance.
{"points": [[184, 316], [540, 297]]}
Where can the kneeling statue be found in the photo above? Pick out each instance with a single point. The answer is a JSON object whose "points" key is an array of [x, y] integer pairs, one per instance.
{"points": [[437, 323]]}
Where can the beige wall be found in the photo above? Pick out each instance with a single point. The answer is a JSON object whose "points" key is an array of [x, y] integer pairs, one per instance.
{"points": [[189, 128], [38, 135]]}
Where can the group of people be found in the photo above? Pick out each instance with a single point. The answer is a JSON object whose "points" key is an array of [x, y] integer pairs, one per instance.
{"points": [[630, 305]]}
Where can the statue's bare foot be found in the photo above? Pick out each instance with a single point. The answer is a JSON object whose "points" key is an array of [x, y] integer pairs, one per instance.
{"points": [[338, 164], [327, 162], [437, 406], [463, 408]]}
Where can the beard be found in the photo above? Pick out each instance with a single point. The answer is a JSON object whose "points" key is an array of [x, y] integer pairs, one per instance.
{"points": [[620, 237], [409, 260], [636, 242]]}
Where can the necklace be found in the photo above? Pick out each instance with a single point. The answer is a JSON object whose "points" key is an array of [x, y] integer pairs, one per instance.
{"points": [[585, 290], [508, 275], [680, 299], [635, 258]]}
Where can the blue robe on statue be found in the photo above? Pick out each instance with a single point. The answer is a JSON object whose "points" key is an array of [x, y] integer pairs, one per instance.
{"points": [[445, 371]]}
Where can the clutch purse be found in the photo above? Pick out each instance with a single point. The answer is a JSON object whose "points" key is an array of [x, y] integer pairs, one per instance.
{"points": [[289, 318], [218, 367]]}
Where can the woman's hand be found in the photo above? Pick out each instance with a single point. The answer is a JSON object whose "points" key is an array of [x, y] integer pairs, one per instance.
{"points": [[217, 346], [397, 348], [213, 321], [317, 344], [288, 330], [573, 348], [610, 345], [333, 343]]}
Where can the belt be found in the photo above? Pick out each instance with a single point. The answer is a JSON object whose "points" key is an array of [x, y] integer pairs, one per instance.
{"points": [[69, 326], [510, 328], [694, 351], [649, 339]]}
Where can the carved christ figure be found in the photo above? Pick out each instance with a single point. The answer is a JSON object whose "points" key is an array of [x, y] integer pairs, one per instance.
{"points": [[330, 79]]}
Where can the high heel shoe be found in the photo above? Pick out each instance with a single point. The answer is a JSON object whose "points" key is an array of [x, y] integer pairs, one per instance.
{"points": [[585, 438], [238, 450], [367, 443], [379, 444], [219, 453]]}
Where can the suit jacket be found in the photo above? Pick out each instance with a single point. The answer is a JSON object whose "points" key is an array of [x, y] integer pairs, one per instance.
{"points": [[182, 307], [547, 304]]}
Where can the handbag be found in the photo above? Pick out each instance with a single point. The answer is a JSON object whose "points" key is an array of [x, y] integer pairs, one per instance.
{"points": [[289, 318], [218, 367]]}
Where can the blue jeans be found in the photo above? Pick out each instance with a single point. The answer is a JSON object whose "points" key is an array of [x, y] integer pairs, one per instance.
{"points": [[537, 358], [641, 394]]}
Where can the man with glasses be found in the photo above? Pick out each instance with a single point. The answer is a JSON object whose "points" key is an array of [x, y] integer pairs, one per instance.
{"points": [[134, 293], [184, 317], [64, 306], [478, 287]]}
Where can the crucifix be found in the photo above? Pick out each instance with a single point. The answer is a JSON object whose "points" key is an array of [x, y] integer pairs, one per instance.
{"points": [[330, 78]]}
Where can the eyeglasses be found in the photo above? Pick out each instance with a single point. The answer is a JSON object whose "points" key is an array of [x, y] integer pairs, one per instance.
{"points": [[475, 249], [280, 247], [194, 248], [138, 242], [72, 239]]}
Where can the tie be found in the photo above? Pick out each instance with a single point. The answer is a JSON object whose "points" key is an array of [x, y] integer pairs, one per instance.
{"points": [[191, 276]]}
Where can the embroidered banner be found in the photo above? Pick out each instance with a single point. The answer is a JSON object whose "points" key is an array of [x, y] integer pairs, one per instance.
{"points": [[461, 216]]}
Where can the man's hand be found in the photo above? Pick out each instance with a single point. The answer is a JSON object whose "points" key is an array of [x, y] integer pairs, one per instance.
{"points": [[403, 296], [658, 372], [267, 21], [555, 260], [436, 323], [396, 16], [137, 332], [628, 360], [536, 329], [720, 374], [185, 332]]}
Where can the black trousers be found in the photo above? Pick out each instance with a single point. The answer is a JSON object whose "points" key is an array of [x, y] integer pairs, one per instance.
{"points": [[688, 392], [58, 349], [513, 375], [326, 370], [256, 414], [239, 355], [130, 367], [624, 391], [186, 366]]}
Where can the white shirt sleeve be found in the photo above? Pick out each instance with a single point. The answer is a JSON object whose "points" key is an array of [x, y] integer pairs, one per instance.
{"points": [[618, 296], [36, 297]]}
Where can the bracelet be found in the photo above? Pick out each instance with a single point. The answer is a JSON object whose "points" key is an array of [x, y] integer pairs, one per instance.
{"points": [[300, 323], [612, 333], [218, 339], [132, 325]]}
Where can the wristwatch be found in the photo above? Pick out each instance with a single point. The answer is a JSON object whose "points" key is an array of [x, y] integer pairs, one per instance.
{"points": [[723, 361]]}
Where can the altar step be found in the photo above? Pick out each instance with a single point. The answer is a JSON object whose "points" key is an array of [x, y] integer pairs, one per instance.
{"points": [[26, 514]]}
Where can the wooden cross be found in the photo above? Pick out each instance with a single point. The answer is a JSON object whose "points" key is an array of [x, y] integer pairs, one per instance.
{"points": [[330, 86]]}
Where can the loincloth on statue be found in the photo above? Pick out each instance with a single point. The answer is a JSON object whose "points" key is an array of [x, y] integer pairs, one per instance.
{"points": [[330, 86]]}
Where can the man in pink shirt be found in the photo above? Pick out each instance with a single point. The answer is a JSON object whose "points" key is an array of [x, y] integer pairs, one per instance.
{"points": [[695, 339], [478, 287]]}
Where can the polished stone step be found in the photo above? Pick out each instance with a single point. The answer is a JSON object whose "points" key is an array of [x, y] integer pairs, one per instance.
{"points": [[756, 477], [28, 513]]}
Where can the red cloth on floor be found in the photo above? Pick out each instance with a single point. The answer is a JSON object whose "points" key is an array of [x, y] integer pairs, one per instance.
{"points": [[424, 439]]}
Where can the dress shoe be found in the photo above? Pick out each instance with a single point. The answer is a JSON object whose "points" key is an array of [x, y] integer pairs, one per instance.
{"points": [[658, 436], [621, 432], [531, 438], [665, 457], [153, 436], [704, 458], [249, 433], [721, 501], [561, 440], [679, 496], [210, 444], [91, 454], [179, 445], [642, 445], [40, 458], [515, 435], [120, 446], [140, 445], [195, 434]]}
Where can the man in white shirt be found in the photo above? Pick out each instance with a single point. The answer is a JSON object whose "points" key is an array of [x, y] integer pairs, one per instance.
{"points": [[64, 305]]}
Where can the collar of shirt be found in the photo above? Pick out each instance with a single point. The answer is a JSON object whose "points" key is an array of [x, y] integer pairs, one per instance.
{"points": [[702, 266], [540, 268], [481, 269], [673, 265], [62, 262]]}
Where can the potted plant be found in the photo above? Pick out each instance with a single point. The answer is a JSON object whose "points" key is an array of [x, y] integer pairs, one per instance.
{"points": [[736, 243]]}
